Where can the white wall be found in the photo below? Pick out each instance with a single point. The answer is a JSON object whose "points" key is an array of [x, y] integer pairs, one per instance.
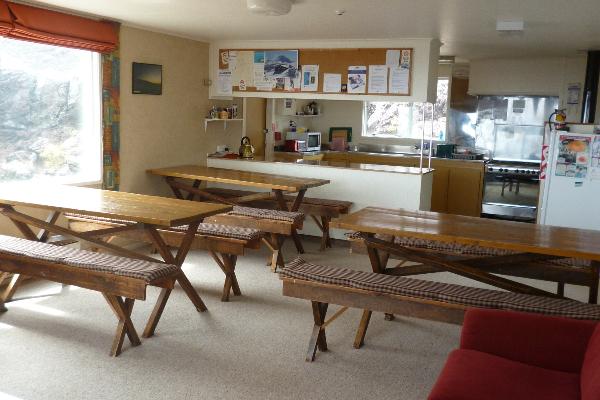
{"points": [[165, 130], [424, 68], [548, 76]]}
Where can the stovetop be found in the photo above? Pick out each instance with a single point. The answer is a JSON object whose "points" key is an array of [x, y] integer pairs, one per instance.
{"points": [[524, 169]]}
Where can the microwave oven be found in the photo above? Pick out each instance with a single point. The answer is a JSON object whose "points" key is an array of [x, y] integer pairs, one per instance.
{"points": [[312, 139]]}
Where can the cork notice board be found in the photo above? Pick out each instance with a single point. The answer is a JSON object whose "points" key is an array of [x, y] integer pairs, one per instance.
{"points": [[330, 61]]}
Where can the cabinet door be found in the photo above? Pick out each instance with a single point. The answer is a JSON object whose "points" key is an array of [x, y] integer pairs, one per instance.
{"points": [[338, 157], [283, 156], [439, 189], [464, 191]]}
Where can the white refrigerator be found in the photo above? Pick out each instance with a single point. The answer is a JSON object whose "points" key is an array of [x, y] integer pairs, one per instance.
{"points": [[570, 180]]}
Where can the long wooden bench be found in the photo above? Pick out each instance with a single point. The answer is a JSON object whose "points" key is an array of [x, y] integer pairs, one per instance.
{"points": [[324, 285], [120, 280], [224, 243], [278, 224], [320, 210], [562, 270]]}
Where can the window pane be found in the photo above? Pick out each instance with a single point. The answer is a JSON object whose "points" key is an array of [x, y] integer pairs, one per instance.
{"points": [[49, 113], [405, 120]]}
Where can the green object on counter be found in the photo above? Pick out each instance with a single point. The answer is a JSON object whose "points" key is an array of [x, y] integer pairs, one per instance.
{"points": [[445, 150]]}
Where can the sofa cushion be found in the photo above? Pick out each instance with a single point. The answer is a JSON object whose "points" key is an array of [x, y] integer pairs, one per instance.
{"points": [[590, 371], [437, 291], [473, 375]]}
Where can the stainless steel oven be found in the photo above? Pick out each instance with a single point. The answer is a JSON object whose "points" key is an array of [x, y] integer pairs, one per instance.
{"points": [[511, 191]]}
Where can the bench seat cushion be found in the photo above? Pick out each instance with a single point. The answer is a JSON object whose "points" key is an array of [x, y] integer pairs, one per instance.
{"points": [[473, 375], [264, 213], [227, 231], [437, 291], [138, 269], [453, 248]]}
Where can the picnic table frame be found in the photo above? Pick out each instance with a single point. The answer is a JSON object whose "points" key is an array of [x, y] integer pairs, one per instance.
{"points": [[148, 213], [530, 242], [277, 184]]}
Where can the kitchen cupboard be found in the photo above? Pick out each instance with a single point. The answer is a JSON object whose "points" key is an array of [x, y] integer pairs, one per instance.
{"points": [[457, 186]]}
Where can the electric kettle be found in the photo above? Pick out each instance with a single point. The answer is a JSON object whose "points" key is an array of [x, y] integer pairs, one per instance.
{"points": [[246, 149]]}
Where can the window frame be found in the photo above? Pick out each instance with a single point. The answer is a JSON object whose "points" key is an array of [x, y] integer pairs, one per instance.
{"points": [[404, 140], [96, 120]]}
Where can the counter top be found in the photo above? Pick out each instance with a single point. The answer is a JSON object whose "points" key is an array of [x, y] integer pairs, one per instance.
{"points": [[395, 155], [346, 165]]}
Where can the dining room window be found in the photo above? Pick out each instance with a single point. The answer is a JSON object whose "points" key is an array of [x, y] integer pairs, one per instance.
{"points": [[407, 120], [50, 113]]}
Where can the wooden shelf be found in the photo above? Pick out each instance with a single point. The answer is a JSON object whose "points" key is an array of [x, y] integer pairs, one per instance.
{"points": [[207, 120]]}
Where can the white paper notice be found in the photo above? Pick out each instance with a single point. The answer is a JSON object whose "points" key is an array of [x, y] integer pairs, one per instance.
{"points": [[310, 78], [378, 78], [243, 71], [332, 83], [357, 79], [224, 83], [392, 58], [399, 80], [232, 60], [259, 74]]}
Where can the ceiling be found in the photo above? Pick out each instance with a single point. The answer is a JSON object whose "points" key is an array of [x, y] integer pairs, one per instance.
{"points": [[466, 27]]}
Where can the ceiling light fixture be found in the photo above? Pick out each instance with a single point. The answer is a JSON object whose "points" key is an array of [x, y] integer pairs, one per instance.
{"points": [[510, 25], [269, 7]]}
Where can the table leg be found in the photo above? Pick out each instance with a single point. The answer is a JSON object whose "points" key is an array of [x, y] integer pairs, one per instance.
{"points": [[171, 182], [182, 279], [595, 272], [122, 310], [318, 338], [195, 185], [295, 206]]}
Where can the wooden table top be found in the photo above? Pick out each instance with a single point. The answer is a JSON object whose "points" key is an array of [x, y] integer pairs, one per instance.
{"points": [[154, 210], [242, 178], [517, 236]]}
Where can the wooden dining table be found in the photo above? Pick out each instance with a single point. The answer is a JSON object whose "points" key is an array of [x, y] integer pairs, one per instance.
{"points": [[188, 178], [522, 245], [525, 244], [146, 213]]}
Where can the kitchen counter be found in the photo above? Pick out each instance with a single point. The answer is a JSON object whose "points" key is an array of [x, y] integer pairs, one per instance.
{"points": [[363, 184], [392, 155], [346, 165], [457, 184]]}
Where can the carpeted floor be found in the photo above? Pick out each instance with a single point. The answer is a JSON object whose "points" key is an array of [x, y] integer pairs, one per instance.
{"points": [[56, 346]]}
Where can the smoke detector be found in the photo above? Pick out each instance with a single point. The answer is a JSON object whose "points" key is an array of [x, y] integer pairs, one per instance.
{"points": [[269, 7]]}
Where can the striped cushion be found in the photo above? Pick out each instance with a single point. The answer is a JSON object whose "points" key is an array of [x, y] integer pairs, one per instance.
{"points": [[234, 232], [203, 229], [264, 213], [139, 269], [453, 248], [442, 292]]}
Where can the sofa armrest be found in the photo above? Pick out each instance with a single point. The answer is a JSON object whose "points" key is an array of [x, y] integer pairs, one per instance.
{"points": [[539, 340]]}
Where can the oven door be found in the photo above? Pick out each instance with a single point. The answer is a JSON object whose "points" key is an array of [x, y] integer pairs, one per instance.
{"points": [[510, 197]]}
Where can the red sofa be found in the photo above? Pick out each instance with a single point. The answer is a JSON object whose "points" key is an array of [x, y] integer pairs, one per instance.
{"points": [[512, 355]]}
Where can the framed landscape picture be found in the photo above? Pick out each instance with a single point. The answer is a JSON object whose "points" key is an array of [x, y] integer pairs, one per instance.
{"points": [[146, 79]]}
